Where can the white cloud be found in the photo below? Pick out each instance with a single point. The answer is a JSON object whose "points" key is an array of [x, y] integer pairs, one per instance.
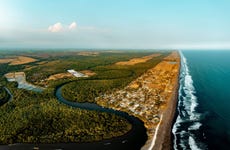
{"points": [[72, 26], [57, 27]]}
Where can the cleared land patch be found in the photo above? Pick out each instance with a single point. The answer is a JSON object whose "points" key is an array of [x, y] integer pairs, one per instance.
{"points": [[20, 60], [20, 78], [88, 53], [69, 75], [60, 76], [88, 72], [137, 60]]}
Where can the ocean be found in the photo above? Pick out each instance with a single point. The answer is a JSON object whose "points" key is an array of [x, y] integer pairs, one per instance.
{"points": [[203, 112]]}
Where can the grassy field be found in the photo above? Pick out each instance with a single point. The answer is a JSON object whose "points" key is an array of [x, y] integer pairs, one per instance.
{"points": [[39, 118]]}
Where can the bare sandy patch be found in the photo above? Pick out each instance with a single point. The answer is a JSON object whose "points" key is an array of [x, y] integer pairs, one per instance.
{"points": [[88, 72], [137, 60], [173, 57], [114, 51], [69, 75], [88, 53], [60, 76], [134, 86], [4, 61], [20, 78], [20, 60], [14, 74]]}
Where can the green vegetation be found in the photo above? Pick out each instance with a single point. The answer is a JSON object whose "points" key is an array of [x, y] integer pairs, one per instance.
{"points": [[108, 77], [59, 64], [39, 118], [51, 122], [4, 96]]}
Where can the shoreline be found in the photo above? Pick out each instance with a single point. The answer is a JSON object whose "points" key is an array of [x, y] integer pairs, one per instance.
{"points": [[164, 139], [152, 98], [161, 139]]}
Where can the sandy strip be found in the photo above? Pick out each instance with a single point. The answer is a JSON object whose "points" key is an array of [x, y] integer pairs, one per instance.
{"points": [[163, 140], [134, 61], [155, 135]]}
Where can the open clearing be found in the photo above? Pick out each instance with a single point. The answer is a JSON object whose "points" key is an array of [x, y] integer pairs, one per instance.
{"points": [[88, 72], [60, 76], [137, 60], [69, 75], [88, 53], [20, 78], [20, 60]]}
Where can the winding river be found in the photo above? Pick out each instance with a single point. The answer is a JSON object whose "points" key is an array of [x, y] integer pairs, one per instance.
{"points": [[10, 96], [133, 140]]}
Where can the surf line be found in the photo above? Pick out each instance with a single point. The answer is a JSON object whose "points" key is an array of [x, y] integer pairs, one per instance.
{"points": [[155, 135], [187, 104]]}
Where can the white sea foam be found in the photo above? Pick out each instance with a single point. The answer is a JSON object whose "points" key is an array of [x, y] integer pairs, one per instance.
{"points": [[189, 103], [192, 144], [195, 126], [174, 131], [190, 99], [183, 143]]}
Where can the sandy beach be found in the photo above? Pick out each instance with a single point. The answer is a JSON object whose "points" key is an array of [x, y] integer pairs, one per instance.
{"points": [[163, 140], [160, 135]]}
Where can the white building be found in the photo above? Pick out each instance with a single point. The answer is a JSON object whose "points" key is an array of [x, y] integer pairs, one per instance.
{"points": [[76, 74]]}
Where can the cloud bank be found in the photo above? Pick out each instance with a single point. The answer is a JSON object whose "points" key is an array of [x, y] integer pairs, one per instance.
{"points": [[58, 27]]}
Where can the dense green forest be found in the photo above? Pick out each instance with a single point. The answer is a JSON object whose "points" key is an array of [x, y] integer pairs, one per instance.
{"points": [[39, 118], [4, 96]]}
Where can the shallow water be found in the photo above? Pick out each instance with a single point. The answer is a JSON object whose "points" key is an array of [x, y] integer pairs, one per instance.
{"points": [[22, 84]]}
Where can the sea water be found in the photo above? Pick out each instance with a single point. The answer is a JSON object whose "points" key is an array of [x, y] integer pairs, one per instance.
{"points": [[203, 111]]}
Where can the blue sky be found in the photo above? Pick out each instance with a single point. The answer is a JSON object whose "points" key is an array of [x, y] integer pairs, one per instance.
{"points": [[147, 24]]}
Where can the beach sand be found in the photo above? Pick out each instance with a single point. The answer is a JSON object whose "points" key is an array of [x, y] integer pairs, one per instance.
{"points": [[163, 140], [164, 134]]}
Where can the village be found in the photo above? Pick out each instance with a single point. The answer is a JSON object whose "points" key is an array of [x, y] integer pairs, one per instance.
{"points": [[148, 95]]}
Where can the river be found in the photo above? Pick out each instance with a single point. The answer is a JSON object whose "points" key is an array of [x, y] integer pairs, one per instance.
{"points": [[133, 140]]}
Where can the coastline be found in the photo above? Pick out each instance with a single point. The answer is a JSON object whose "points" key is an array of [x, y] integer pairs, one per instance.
{"points": [[164, 135], [164, 139], [152, 98]]}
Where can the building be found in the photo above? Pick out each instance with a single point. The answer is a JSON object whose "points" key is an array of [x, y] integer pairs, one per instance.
{"points": [[76, 74]]}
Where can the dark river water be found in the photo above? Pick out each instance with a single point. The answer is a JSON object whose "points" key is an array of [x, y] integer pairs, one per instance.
{"points": [[133, 140]]}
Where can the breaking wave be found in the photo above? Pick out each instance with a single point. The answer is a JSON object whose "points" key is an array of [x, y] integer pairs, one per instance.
{"points": [[188, 120]]}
